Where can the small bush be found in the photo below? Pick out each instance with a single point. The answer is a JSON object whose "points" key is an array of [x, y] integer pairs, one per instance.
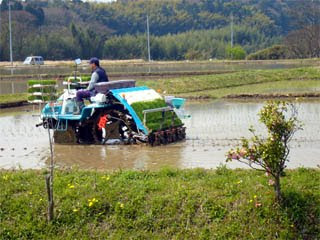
{"points": [[236, 53], [274, 52], [270, 154]]}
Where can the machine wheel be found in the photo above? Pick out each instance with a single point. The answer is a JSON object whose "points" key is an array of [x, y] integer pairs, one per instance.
{"points": [[65, 137], [114, 124], [167, 136]]}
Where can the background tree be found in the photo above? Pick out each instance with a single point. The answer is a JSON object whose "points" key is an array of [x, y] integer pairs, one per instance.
{"points": [[180, 29], [270, 154], [303, 41], [235, 53], [274, 52]]}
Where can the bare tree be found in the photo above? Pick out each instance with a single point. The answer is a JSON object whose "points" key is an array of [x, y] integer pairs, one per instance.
{"points": [[304, 41]]}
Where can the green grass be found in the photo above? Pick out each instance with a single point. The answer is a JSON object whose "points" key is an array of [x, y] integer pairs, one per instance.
{"points": [[43, 82], [280, 87], [296, 80], [248, 81], [167, 204], [154, 120], [84, 78], [8, 98]]}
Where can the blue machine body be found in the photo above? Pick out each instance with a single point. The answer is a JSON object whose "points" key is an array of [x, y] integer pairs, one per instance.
{"points": [[110, 116], [56, 110]]}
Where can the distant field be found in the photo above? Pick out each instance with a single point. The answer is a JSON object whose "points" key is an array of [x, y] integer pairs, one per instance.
{"points": [[248, 81], [130, 67], [281, 81], [141, 61]]}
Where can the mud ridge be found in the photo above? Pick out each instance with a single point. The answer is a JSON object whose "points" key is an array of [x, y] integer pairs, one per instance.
{"points": [[13, 104], [273, 95]]}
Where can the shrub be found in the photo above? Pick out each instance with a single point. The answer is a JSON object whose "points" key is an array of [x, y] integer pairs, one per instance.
{"points": [[274, 52], [270, 154], [235, 53]]}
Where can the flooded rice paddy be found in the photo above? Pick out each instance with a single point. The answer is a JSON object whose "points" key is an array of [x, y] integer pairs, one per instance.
{"points": [[213, 129]]}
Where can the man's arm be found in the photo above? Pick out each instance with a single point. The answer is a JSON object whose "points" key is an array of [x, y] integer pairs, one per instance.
{"points": [[93, 81]]}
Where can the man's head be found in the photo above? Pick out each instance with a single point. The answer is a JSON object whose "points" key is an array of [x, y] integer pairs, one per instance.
{"points": [[94, 63]]}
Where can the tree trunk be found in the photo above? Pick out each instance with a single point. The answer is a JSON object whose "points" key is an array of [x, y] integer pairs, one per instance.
{"points": [[50, 197], [277, 188]]}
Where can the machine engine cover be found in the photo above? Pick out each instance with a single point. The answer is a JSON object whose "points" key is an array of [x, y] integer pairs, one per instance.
{"points": [[99, 98]]}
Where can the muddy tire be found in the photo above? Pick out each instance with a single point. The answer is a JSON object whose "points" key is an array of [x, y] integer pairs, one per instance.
{"points": [[65, 137], [112, 130], [168, 136]]}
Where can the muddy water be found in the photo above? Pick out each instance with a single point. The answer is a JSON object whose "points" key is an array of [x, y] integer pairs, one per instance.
{"points": [[213, 129]]}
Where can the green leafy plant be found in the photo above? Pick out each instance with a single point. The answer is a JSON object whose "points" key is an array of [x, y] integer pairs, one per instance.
{"points": [[273, 52], [270, 154], [235, 53]]}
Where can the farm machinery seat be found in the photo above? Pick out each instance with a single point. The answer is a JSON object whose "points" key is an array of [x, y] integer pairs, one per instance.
{"points": [[104, 87]]}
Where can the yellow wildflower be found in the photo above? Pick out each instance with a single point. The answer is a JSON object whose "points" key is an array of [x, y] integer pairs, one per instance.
{"points": [[75, 210], [92, 201], [251, 201], [107, 178], [70, 186], [255, 196]]}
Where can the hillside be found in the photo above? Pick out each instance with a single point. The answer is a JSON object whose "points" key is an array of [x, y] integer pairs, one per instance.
{"points": [[68, 29]]}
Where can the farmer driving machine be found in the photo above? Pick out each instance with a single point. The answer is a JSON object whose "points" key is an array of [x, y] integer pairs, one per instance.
{"points": [[120, 112]]}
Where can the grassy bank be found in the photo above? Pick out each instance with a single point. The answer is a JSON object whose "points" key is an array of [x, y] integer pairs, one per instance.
{"points": [[248, 81], [281, 81], [9, 98], [168, 204]]}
